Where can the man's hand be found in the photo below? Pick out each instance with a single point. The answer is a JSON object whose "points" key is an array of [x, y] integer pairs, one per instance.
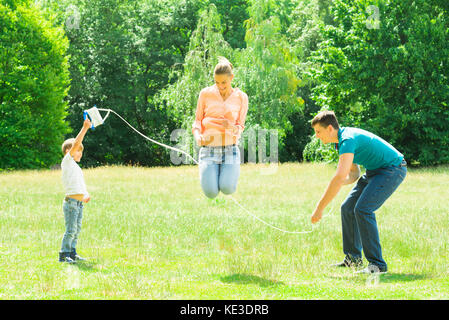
{"points": [[344, 166], [86, 199], [316, 216], [354, 174]]}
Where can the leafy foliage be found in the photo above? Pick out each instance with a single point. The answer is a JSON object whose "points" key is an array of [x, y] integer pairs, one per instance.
{"points": [[148, 60], [304, 35], [315, 151], [34, 80], [267, 71], [121, 56], [391, 79], [232, 17], [206, 45]]}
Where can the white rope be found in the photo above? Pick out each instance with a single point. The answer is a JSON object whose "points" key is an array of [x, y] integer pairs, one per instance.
{"points": [[272, 226], [154, 141], [196, 162], [268, 224]]}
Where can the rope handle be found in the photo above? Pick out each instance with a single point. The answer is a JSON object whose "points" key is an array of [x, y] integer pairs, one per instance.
{"points": [[86, 115]]}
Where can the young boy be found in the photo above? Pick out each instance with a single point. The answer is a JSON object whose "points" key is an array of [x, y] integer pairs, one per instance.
{"points": [[385, 171], [76, 194]]}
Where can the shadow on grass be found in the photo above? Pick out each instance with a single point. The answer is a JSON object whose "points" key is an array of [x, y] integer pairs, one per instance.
{"points": [[239, 278], [399, 277], [86, 265], [383, 278]]}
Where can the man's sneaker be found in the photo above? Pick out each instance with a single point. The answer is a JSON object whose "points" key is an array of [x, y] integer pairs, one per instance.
{"points": [[65, 257], [372, 269], [349, 263], [75, 257]]}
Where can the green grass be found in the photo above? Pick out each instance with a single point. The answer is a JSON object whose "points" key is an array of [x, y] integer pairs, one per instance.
{"points": [[149, 233]]}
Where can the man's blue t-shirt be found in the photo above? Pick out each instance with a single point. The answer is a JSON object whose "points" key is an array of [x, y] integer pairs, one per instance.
{"points": [[369, 150]]}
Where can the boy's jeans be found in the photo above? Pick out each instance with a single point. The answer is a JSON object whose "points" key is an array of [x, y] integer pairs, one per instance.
{"points": [[73, 214], [219, 169], [359, 224]]}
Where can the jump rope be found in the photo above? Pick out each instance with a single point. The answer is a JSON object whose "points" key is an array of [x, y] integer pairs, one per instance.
{"points": [[96, 119]]}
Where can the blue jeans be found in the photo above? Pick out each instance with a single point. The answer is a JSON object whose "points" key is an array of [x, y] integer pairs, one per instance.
{"points": [[359, 225], [73, 214], [219, 169]]}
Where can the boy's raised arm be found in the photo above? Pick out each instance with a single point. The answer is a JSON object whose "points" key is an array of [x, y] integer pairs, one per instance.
{"points": [[79, 138]]}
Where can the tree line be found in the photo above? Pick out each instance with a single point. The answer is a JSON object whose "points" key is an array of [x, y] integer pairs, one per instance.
{"points": [[381, 65]]}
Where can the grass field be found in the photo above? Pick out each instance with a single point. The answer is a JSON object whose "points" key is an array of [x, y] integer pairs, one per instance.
{"points": [[149, 233]]}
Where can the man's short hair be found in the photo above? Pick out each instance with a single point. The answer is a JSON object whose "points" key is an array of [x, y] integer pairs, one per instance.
{"points": [[326, 118], [67, 145]]}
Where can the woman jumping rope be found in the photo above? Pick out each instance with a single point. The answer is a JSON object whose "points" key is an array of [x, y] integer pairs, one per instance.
{"points": [[219, 122]]}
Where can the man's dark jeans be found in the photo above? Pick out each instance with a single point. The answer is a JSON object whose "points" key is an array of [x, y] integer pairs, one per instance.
{"points": [[359, 223]]}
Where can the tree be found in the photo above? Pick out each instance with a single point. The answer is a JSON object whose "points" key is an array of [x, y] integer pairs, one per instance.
{"points": [[304, 35], [272, 73], [232, 16], [265, 69], [122, 53], [34, 80], [389, 74], [206, 45]]}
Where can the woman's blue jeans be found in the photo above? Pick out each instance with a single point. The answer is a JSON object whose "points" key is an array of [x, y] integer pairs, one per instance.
{"points": [[359, 225], [219, 169], [73, 215]]}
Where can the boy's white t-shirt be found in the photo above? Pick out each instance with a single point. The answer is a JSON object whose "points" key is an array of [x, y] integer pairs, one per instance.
{"points": [[72, 176]]}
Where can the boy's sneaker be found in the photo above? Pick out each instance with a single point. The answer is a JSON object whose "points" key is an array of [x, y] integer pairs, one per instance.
{"points": [[75, 257], [349, 262], [65, 257], [373, 269]]}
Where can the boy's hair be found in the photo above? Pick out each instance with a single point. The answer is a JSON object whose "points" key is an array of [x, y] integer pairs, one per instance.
{"points": [[223, 67], [67, 145], [326, 118]]}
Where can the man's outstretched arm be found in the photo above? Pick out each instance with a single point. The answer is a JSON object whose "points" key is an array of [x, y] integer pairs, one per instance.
{"points": [[344, 168]]}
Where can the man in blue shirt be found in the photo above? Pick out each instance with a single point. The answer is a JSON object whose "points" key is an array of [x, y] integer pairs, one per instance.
{"points": [[385, 171]]}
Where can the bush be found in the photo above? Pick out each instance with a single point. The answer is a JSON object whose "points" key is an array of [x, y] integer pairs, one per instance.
{"points": [[34, 80], [316, 151]]}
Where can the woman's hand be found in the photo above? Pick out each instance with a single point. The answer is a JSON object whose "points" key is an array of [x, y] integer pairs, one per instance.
{"points": [[229, 125], [199, 138]]}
